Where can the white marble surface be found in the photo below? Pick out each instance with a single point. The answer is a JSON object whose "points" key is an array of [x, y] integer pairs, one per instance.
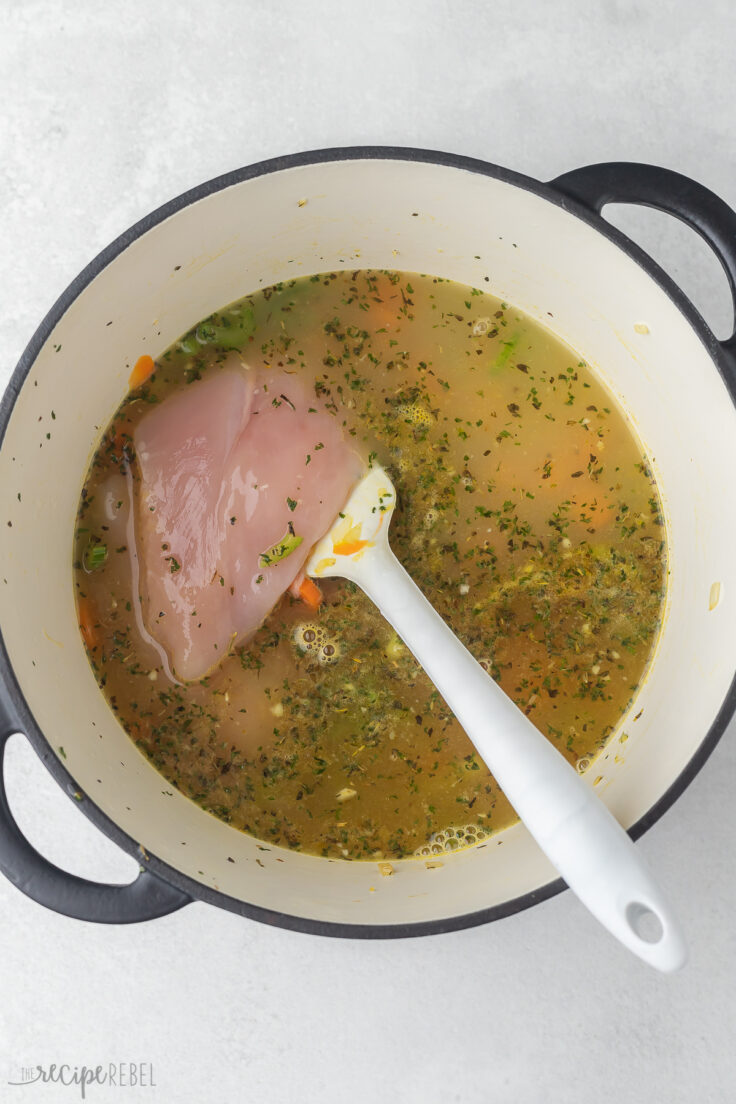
{"points": [[109, 110]]}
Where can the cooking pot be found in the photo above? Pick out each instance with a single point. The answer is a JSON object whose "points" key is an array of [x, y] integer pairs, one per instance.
{"points": [[542, 247]]}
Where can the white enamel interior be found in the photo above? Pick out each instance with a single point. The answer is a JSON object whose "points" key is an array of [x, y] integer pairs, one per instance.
{"points": [[383, 213]]}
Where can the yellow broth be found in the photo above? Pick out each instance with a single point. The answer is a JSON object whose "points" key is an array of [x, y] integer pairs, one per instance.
{"points": [[526, 513]]}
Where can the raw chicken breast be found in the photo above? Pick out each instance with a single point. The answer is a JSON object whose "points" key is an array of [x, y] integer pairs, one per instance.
{"points": [[241, 474]]}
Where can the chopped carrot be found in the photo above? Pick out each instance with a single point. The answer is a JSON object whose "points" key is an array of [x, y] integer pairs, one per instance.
{"points": [[385, 304], [87, 623], [144, 367], [601, 515], [310, 594], [347, 548]]}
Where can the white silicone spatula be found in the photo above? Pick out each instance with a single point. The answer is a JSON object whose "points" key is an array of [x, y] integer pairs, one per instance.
{"points": [[573, 827]]}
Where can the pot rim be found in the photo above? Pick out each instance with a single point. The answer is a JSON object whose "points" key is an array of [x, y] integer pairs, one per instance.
{"points": [[10, 688]]}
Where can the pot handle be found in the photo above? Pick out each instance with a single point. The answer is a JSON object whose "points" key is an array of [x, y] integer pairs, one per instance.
{"points": [[630, 182], [143, 899]]}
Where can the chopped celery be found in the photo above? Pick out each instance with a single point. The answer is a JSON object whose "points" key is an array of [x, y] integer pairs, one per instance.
{"points": [[95, 555]]}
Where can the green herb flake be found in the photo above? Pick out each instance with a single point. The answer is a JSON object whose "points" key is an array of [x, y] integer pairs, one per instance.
{"points": [[281, 550]]}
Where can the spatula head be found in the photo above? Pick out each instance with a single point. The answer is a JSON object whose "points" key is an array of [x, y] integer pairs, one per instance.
{"points": [[361, 525]]}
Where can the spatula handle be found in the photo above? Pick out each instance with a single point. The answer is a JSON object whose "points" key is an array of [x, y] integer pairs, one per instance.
{"points": [[573, 827]]}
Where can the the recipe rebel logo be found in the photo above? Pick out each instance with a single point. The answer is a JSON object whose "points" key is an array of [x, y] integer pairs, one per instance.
{"points": [[120, 1075]]}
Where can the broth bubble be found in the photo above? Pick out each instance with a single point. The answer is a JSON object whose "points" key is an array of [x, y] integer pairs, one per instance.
{"points": [[454, 838]]}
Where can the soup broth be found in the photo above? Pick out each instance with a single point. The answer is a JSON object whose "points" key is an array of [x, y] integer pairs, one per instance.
{"points": [[526, 513]]}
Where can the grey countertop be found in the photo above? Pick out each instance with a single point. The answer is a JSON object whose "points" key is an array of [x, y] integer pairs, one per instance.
{"points": [[108, 111]]}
